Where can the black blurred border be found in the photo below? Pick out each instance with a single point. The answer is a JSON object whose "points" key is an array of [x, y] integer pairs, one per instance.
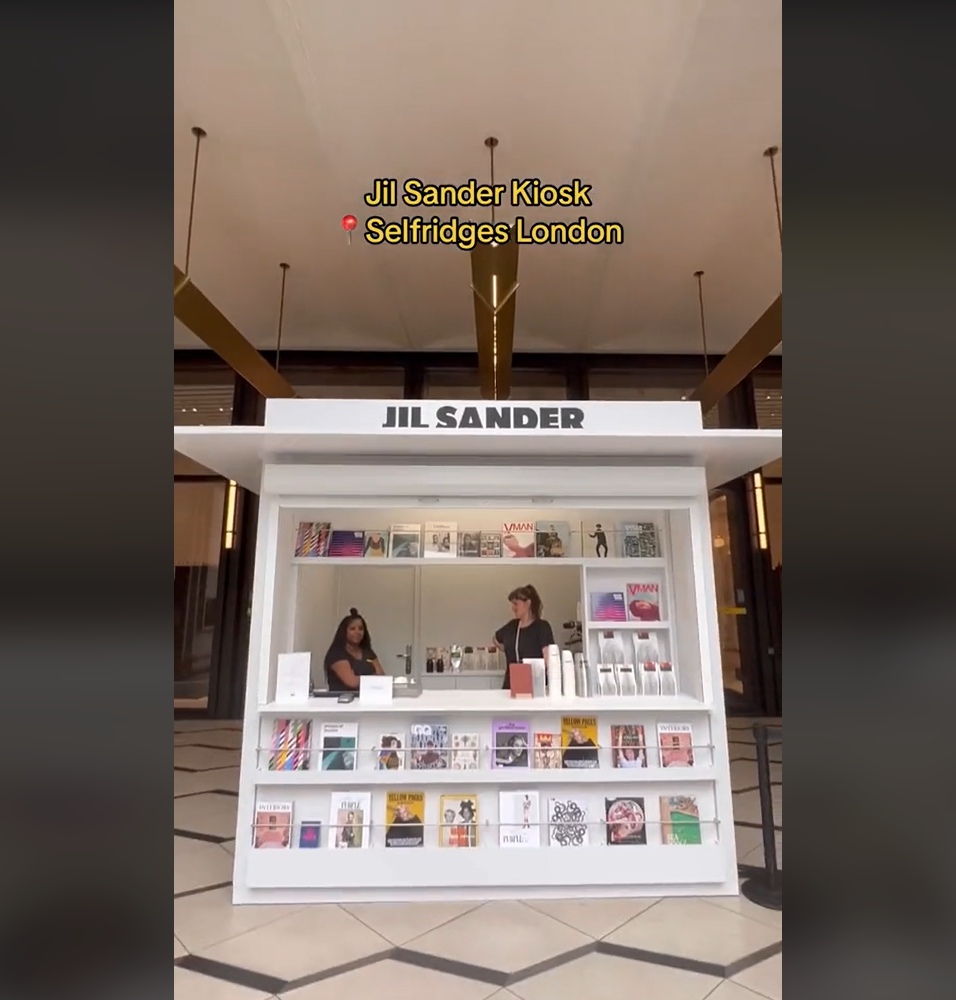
{"points": [[870, 327], [85, 634]]}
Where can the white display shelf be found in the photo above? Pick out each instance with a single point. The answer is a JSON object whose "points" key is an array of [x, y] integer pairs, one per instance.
{"points": [[614, 563], [486, 703], [502, 776], [417, 870]]}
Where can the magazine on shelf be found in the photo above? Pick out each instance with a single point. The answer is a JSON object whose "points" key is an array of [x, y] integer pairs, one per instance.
{"points": [[568, 822], [680, 819], [625, 821], [598, 540], [519, 821], [511, 741], [405, 541], [641, 540], [629, 746], [429, 746], [644, 602], [273, 825], [312, 539], [459, 820], [404, 819], [607, 606], [347, 544], [291, 748], [391, 752], [469, 544], [339, 746], [464, 751], [376, 544], [552, 539], [579, 741], [547, 750], [676, 742], [349, 819], [441, 540], [517, 539], [489, 543], [310, 834]]}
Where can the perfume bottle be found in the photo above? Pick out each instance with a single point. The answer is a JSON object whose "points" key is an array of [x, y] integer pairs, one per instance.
{"points": [[430, 662], [439, 661]]}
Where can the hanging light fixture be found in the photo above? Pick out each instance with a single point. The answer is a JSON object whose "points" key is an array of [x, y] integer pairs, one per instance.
{"points": [[770, 152], [494, 282], [703, 326], [756, 344], [285, 269], [202, 318]]}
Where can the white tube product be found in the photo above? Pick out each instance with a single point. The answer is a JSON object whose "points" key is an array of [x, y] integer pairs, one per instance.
{"points": [[568, 686], [552, 662], [539, 683]]}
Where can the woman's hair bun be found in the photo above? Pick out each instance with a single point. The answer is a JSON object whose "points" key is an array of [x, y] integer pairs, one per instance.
{"points": [[353, 612]]}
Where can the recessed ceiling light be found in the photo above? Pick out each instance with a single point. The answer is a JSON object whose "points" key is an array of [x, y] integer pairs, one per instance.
{"points": [[195, 410]]}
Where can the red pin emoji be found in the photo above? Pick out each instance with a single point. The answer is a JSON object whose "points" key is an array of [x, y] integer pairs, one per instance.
{"points": [[349, 222]]}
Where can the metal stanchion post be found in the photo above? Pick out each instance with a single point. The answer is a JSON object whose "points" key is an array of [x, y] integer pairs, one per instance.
{"points": [[765, 889]]}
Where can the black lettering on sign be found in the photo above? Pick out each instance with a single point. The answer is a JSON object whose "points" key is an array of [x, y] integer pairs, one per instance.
{"points": [[522, 418]]}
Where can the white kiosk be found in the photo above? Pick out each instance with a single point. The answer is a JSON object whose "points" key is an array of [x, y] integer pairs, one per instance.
{"points": [[365, 465]]}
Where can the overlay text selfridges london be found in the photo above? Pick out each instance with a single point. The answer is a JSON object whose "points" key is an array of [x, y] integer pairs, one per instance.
{"points": [[466, 234]]}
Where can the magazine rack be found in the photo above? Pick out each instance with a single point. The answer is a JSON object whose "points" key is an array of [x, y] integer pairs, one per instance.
{"points": [[439, 461]]}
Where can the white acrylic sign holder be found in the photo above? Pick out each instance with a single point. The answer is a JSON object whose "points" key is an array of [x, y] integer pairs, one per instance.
{"points": [[625, 460]]}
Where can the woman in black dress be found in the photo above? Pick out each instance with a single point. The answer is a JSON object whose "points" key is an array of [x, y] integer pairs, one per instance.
{"points": [[350, 656], [527, 635]]}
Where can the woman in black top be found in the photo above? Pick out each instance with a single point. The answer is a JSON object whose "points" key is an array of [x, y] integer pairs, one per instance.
{"points": [[351, 655], [527, 635]]}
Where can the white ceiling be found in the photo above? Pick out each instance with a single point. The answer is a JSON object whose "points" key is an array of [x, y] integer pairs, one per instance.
{"points": [[664, 106]]}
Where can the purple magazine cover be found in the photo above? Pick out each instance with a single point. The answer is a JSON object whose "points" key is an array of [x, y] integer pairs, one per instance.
{"points": [[608, 607], [511, 741]]}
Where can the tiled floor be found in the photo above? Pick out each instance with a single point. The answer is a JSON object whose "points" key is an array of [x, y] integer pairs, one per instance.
{"points": [[675, 949]]}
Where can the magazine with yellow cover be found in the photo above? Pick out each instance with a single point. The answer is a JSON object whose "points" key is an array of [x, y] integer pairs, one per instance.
{"points": [[405, 819], [579, 741], [458, 820]]}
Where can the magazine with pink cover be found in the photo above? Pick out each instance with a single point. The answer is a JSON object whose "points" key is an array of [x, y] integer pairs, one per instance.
{"points": [[273, 825], [547, 750], [629, 747], [518, 539], [644, 602], [676, 741]]}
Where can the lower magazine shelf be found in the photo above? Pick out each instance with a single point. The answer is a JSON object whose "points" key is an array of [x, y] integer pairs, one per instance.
{"points": [[441, 867]]}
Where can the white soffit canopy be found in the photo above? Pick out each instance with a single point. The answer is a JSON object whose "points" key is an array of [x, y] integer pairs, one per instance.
{"points": [[306, 431]]}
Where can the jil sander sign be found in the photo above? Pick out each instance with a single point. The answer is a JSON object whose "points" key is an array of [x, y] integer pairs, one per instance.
{"points": [[458, 418], [450, 417]]}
